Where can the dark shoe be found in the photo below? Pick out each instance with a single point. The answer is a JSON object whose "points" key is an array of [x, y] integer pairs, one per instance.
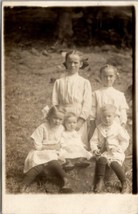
{"points": [[66, 190], [99, 185], [24, 189], [82, 163], [125, 188], [67, 187], [68, 165]]}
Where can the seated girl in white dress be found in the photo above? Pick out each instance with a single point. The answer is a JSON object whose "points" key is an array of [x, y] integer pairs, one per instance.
{"points": [[44, 155], [72, 147], [109, 143]]}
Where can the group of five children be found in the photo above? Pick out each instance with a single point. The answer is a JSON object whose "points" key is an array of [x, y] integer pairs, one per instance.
{"points": [[64, 134]]}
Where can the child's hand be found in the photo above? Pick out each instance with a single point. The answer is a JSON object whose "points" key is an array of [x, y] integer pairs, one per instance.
{"points": [[79, 123], [57, 147], [97, 152], [68, 149], [123, 125]]}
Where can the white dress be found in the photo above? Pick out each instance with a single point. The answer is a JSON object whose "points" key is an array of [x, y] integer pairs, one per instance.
{"points": [[113, 139], [109, 95], [43, 135], [74, 94], [72, 146]]}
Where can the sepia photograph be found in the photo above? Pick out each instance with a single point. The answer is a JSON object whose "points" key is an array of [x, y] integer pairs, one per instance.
{"points": [[69, 107]]}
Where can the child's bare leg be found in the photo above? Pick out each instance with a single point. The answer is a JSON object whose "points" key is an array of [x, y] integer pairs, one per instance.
{"points": [[117, 168], [100, 174]]}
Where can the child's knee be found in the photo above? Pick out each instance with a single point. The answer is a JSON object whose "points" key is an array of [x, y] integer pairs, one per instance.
{"points": [[102, 160], [114, 164], [53, 163]]}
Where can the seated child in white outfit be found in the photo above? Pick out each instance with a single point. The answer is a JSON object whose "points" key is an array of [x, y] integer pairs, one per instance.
{"points": [[108, 144], [72, 147], [44, 155]]}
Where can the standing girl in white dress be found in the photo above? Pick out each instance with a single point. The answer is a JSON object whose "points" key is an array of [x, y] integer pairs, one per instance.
{"points": [[74, 93], [107, 94], [72, 147], [109, 143], [46, 143]]}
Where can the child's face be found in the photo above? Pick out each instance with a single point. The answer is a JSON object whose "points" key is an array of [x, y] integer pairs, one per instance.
{"points": [[108, 77], [71, 123], [56, 120], [73, 63], [107, 118]]}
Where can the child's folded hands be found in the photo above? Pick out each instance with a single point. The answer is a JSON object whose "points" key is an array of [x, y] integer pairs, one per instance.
{"points": [[97, 152]]}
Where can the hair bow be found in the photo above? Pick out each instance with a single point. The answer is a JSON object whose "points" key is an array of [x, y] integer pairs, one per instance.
{"points": [[45, 111]]}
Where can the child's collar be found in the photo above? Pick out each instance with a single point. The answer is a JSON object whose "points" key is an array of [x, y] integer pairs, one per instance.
{"points": [[72, 75], [113, 128], [106, 87]]}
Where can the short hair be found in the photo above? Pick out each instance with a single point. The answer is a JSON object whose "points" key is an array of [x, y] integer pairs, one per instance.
{"points": [[55, 110], [68, 115], [107, 108]]}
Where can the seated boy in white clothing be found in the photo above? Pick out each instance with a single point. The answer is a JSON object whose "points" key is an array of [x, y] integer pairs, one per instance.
{"points": [[109, 143]]}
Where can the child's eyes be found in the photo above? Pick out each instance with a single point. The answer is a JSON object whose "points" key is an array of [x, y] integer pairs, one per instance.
{"points": [[107, 116], [56, 118], [73, 62], [109, 76]]}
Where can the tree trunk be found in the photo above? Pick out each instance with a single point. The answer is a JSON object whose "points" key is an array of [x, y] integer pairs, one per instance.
{"points": [[64, 26]]}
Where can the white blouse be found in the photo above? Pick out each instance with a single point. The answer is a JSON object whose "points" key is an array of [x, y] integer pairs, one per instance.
{"points": [[43, 135], [109, 95], [74, 93]]}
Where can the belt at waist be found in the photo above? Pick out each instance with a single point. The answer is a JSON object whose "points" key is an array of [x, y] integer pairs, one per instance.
{"points": [[71, 105]]}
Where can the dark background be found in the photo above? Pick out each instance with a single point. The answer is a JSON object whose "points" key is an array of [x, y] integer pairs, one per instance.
{"points": [[71, 25]]}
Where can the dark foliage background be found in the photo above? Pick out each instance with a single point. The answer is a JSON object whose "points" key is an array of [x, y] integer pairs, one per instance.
{"points": [[73, 25]]}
